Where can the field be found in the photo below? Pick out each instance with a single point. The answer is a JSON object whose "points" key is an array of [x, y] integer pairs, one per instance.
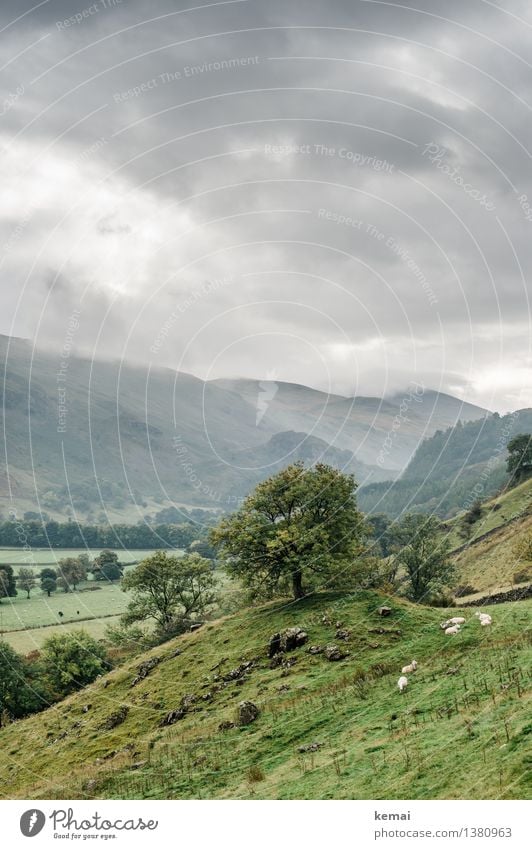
{"points": [[325, 730], [39, 557]]}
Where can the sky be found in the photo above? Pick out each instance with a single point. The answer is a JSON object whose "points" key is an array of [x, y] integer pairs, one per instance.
{"points": [[331, 193]]}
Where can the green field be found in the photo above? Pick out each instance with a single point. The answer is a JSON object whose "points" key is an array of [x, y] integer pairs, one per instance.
{"points": [[461, 730], [39, 557]]}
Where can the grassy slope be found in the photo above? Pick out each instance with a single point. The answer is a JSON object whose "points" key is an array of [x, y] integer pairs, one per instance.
{"points": [[491, 563], [376, 743]]}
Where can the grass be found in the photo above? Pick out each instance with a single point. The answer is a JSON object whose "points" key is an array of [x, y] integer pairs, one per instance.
{"points": [[373, 741], [39, 557], [19, 613]]}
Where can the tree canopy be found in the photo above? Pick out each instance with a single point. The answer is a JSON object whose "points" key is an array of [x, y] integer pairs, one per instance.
{"points": [[424, 553], [301, 523], [519, 463], [72, 660]]}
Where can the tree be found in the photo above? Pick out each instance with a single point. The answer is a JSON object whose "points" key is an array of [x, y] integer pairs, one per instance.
{"points": [[203, 548], [8, 584], [519, 463], [20, 692], [71, 661], [71, 571], [106, 566], [298, 523], [165, 586], [424, 553], [48, 581], [26, 580]]}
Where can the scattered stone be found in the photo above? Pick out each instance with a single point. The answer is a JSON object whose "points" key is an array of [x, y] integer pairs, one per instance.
{"points": [[315, 650], [226, 725], [116, 718], [339, 624], [247, 713], [196, 626], [384, 611], [325, 620], [238, 671], [105, 683], [138, 765], [173, 716], [207, 697], [220, 663], [91, 784], [86, 708], [452, 670], [334, 653], [188, 700], [310, 747], [144, 669], [342, 634], [395, 631], [283, 688], [283, 641]]}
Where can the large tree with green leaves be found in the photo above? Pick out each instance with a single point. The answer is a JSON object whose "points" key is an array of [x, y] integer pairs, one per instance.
{"points": [[48, 578], [165, 587], [21, 690], [519, 463], [107, 567], [71, 571], [71, 661], [424, 554], [300, 523], [26, 580], [8, 584]]}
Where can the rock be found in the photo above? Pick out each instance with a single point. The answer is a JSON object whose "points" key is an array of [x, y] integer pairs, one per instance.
{"points": [[315, 649], [144, 669], [309, 747], [86, 708], [91, 784], [226, 725], [207, 697], [188, 700], [247, 713], [283, 688], [116, 718], [334, 653], [196, 626], [384, 611], [339, 624], [452, 670], [292, 638], [342, 634], [173, 716], [138, 765], [238, 671]]}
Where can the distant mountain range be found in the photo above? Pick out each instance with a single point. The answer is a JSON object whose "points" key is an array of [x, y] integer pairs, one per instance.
{"points": [[94, 435]]}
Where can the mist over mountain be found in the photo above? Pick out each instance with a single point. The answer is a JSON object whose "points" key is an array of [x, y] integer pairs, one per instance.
{"points": [[90, 437]]}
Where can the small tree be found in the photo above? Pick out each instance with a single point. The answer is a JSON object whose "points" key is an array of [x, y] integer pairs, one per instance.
{"points": [[519, 463], [71, 571], [71, 661], [298, 523], [48, 581], [26, 580], [424, 553], [20, 692], [8, 585], [165, 586], [106, 566]]}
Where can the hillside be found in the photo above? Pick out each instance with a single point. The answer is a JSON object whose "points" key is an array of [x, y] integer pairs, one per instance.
{"points": [[468, 703], [488, 560], [108, 438], [447, 467]]}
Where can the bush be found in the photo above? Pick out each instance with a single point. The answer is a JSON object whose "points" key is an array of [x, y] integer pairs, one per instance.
{"points": [[464, 589], [71, 661], [522, 576]]}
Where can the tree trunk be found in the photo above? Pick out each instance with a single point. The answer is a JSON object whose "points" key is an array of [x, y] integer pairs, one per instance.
{"points": [[297, 584]]}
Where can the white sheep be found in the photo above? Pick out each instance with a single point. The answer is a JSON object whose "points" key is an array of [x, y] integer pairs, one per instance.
{"points": [[402, 683], [456, 620], [410, 668], [484, 618], [454, 629]]}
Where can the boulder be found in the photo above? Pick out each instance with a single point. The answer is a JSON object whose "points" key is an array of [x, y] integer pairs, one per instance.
{"points": [[226, 725], [315, 649], [174, 716], [238, 671], [309, 747], [247, 713], [334, 653], [384, 611], [342, 634], [116, 718], [292, 638], [144, 669]]}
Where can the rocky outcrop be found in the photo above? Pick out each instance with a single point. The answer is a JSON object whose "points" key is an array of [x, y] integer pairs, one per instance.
{"points": [[292, 638], [144, 670], [115, 718], [334, 653], [247, 713]]}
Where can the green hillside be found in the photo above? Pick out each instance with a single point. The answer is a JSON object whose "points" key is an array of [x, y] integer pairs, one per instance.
{"points": [[488, 560], [325, 729]]}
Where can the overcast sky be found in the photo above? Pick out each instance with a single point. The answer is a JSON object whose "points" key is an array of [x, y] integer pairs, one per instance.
{"points": [[332, 193]]}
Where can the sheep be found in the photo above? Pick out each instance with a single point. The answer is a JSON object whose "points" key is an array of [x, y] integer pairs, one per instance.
{"points": [[484, 618], [456, 620], [410, 668], [402, 683], [454, 629]]}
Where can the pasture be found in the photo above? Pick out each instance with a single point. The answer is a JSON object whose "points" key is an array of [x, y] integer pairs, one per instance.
{"points": [[38, 557]]}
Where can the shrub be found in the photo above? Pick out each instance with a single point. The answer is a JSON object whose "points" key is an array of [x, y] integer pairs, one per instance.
{"points": [[464, 589]]}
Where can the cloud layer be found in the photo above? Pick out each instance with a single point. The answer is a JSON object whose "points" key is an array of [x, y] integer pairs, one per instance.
{"points": [[339, 192]]}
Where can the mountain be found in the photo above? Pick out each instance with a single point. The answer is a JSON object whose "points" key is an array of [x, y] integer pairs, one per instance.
{"points": [[92, 437], [451, 469], [324, 730]]}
